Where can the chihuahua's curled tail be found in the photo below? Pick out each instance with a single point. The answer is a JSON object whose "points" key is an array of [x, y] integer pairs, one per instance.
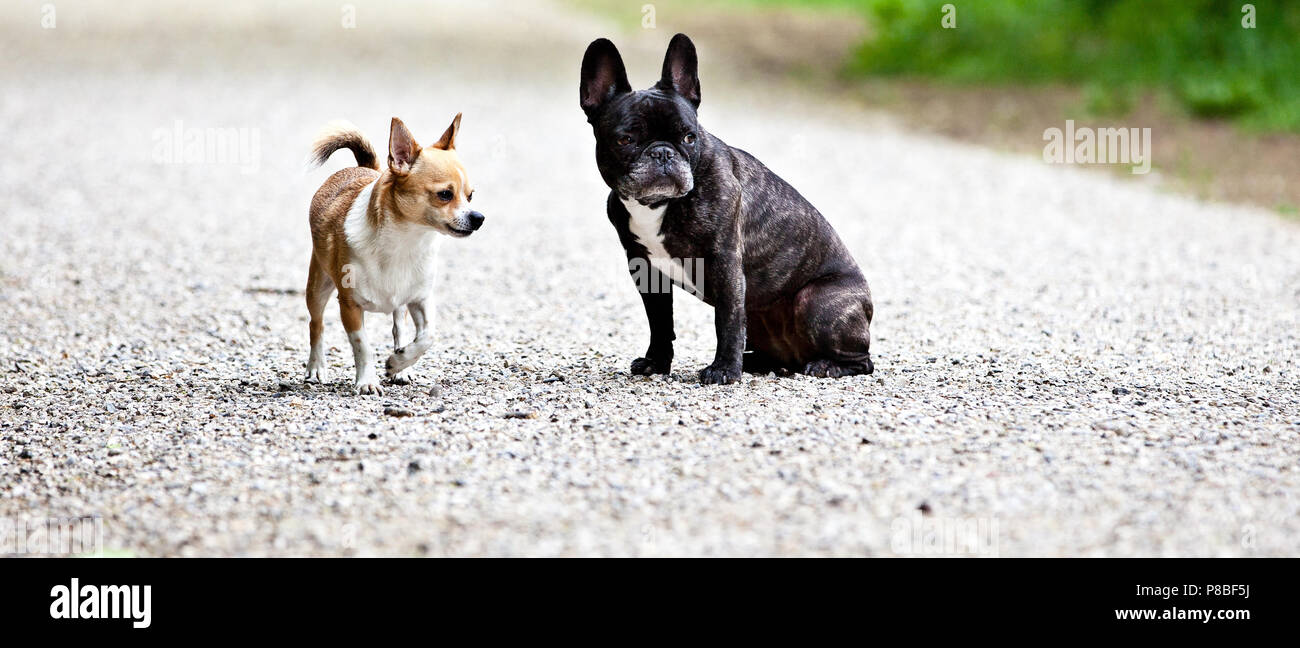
{"points": [[342, 135]]}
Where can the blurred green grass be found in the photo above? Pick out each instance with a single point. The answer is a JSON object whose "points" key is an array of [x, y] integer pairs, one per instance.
{"points": [[1197, 51]]}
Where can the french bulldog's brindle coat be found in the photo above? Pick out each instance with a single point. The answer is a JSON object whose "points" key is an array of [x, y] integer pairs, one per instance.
{"points": [[786, 292]]}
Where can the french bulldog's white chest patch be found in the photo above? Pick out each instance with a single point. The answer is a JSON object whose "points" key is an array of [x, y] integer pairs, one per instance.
{"points": [[645, 224]]}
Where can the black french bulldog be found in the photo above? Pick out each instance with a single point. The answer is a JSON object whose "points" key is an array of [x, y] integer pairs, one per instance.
{"points": [[787, 294]]}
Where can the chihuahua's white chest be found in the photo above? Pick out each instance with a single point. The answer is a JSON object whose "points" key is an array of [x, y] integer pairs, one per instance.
{"points": [[389, 266]]}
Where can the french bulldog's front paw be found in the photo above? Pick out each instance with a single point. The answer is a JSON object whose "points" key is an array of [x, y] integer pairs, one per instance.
{"points": [[646, 366], [716, 374], [368, 388]]}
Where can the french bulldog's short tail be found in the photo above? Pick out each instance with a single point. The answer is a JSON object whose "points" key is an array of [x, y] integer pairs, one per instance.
{"points": [[342, 135]]}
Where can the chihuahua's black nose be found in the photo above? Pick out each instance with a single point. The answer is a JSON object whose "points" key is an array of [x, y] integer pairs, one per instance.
{"points": [[475, 220], [661, 154]]}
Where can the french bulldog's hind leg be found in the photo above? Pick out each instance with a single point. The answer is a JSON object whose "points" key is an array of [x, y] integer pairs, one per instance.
{"points": [[823, 368], [836, 315]]}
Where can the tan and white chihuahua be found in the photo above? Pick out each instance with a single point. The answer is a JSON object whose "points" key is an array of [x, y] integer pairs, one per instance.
{"points": [[374, 238]]}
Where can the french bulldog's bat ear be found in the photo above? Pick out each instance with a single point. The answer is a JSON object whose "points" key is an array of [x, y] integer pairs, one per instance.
{"points": [[603, 75], [448, 140], [680, 70], [402, 148]]}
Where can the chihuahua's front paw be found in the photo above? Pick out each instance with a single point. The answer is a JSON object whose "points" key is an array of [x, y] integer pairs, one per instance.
{"points": [[397, 364], [646, 366], [315, 375], [716, 374], [402, 377], [368, 388]]}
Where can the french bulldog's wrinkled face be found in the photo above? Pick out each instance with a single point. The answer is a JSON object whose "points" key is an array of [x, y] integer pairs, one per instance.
{"points": [[647, 142], [647, 145]]}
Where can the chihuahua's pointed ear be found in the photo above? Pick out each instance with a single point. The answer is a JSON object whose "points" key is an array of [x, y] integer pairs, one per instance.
{"points": [[680, 72], [448, 140], [603, 76], [402, 148]]}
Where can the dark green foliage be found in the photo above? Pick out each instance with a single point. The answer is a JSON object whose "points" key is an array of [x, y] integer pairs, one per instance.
{"points": [[1197, 50]]}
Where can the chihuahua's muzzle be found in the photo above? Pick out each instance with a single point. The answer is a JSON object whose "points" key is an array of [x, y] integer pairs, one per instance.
{"points": [[467, 224]]}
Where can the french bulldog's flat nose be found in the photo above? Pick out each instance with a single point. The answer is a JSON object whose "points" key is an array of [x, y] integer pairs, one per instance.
{"points": [[475, 220], [661, 154]]}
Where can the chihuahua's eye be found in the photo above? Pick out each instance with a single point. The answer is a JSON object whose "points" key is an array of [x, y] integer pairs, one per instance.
{"points": [[624, 140], [470, 197], [445, 194], [689, 138]]}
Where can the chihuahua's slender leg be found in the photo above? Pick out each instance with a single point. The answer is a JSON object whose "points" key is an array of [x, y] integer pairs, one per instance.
{"points": [[402, 377], [319, 290], [354, 323], [420, 316], [406, 356], [397, 326]]}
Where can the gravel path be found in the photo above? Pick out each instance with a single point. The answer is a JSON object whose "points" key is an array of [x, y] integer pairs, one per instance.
{"points": [[1083, 364]]}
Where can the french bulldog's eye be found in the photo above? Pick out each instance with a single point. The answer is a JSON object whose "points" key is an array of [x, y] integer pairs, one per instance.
{"points": [[624, 140], [689, 138], [445, 194]]}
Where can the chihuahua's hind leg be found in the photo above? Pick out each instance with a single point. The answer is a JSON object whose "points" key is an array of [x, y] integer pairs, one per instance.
{"points": [[402, 377], [319, 290], [404, 357], [397, 326]]}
